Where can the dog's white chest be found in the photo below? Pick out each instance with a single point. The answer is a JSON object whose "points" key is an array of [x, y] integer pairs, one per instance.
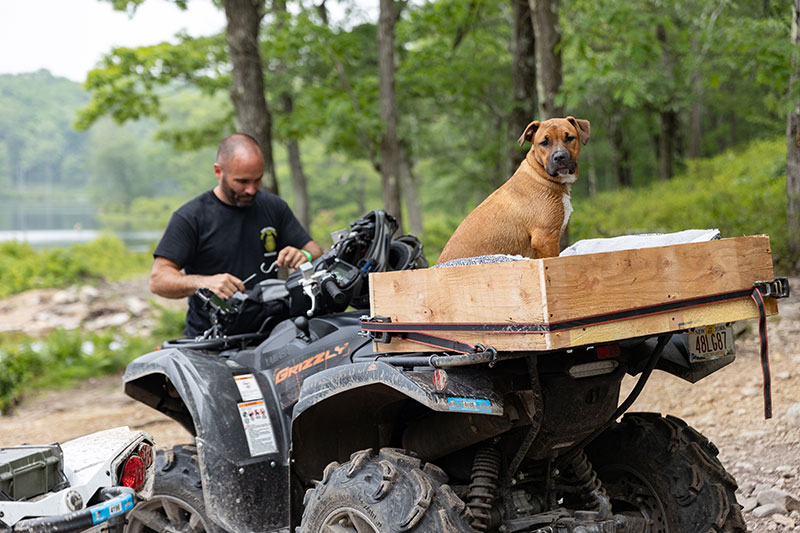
{"points": [[567, 210]]}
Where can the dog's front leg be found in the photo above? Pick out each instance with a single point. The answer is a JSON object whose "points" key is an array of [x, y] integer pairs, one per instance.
{"points": [[545, 245]]}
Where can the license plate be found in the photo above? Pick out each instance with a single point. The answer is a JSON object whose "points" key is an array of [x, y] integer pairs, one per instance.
{"points": [[711, 342]]}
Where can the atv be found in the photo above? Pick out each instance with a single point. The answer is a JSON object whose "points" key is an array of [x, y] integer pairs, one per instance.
{"points": [[300, 424], [86, 484]]}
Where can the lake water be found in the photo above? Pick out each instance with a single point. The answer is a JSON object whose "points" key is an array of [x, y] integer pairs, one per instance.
{"points": [[49, 238]]}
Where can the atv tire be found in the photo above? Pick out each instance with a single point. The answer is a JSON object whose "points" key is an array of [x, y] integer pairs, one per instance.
{"points": [[664, 470], [177, 502], [388, 492]]}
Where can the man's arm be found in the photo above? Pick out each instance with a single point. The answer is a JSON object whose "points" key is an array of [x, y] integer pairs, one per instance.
{"points": [[291, 257], [167, 280]]}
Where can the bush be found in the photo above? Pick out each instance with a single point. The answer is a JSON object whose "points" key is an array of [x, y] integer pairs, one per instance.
{"points": [[23, 268], [64, 357], [741, 192]]}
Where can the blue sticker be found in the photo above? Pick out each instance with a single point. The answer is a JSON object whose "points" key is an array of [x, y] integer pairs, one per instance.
{"points": [[104, 511], [469, 405]]}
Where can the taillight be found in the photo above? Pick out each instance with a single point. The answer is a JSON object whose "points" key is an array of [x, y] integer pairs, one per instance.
{"points": [[145, 451], [133, 473]]}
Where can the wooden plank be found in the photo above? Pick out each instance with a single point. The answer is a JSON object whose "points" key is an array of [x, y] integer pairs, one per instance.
{"points": [[565, 288], [585, 285], [718, 313], [498, 292]]}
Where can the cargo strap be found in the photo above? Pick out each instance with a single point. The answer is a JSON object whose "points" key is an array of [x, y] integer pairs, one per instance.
{"points": [[758, 298]]}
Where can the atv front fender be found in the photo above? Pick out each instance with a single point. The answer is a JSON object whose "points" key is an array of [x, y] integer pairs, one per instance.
{"points": [[242, 492]]}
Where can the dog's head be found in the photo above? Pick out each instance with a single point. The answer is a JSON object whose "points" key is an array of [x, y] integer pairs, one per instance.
{"points": [[556, 144]]}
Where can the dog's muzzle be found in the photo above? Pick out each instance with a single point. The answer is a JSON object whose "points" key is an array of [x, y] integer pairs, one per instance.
{"points": [[561, 162]]}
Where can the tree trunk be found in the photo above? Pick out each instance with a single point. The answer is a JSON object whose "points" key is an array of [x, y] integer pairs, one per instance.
{"points": [[523, 75], [546, 28], [544, 14], [666, 143], [247, 79], [696, 113], [390, 148], [408, 184], [668, 118], [620, 155], [793, 154], [301, 205]]}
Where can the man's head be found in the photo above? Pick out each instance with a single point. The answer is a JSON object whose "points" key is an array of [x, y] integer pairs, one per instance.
{"points": [[239, 168]]}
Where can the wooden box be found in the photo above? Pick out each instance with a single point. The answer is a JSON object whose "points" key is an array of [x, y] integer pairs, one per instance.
{"points": [[554, 294]]}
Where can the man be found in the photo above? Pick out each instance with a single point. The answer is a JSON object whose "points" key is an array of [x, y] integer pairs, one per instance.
{"points": [[227, 234]]}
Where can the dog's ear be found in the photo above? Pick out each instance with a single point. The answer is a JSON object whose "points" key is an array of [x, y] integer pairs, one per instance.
{"points": [[582, 126], [527, 135]]}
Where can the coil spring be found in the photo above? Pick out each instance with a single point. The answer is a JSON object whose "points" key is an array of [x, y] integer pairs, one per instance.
{"points": [[585, 480], [485, 473]]}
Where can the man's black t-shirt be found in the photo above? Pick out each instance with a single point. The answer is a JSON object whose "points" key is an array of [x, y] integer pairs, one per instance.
{"points": [[207, 236]]}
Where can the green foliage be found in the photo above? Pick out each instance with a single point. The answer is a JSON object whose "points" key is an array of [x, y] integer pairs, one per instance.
{"points": [[64, 357], [740, 192], [23, 268]]}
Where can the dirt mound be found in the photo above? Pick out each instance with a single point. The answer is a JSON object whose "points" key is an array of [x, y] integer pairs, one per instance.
{"points": [[127, 304]]}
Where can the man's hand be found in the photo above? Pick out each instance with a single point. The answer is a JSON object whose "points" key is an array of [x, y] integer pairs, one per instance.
{"points": [[167, 280], [291, 257], [224, 285]]}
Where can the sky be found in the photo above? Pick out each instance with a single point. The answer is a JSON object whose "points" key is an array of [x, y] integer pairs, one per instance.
{"points": [[68, 37]]}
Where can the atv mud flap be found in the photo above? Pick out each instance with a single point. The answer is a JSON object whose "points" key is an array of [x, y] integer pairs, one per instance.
{"points": [[243, 491]]}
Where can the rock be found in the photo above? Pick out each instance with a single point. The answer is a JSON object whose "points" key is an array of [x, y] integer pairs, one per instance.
{"points": [[783, 375], [748, 504], [793, 414], [745, 467], [87, 293], [786, 471], [768, 510], [780, 498], [136, 306], [749, 392], [746, 488], [107, 321], [785, 521], [64, 297]]}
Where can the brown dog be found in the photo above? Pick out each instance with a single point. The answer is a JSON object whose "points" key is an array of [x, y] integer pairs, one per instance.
{"points": [[527, 214]]}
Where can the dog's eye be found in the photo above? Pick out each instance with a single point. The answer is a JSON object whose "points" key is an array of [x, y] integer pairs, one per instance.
{"points": [[545, 142], [569, 138]]}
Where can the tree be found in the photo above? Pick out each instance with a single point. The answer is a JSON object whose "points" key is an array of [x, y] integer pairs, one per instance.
{"points": [[126, 86], [247, 77], [793, 147], [547, 30], [390, 147], [523, 76]]}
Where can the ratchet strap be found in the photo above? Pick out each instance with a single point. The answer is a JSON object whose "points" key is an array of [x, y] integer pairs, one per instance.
{"points": [[762, 333]]}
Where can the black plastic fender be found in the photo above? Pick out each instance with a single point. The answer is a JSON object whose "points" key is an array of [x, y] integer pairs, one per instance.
{"points": [[243, 492], [343, 409]]}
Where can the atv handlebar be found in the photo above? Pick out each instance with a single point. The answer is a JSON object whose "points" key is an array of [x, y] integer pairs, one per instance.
{"points": [[333, 291]]}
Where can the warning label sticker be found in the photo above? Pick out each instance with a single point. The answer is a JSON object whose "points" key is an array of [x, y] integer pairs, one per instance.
{"points": [[257, 428], [248, 387]]}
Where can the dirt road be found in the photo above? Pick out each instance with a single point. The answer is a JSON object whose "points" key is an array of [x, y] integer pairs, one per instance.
{"points": [[763, 455]]}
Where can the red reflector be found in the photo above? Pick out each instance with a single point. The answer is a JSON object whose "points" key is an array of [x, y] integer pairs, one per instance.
{"points": [[440, 380], [607, 350], [146, 453], [133, 473]]}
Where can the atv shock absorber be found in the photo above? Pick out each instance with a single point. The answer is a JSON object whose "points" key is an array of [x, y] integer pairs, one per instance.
{"points": [[585, 481], [485, 473]]}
